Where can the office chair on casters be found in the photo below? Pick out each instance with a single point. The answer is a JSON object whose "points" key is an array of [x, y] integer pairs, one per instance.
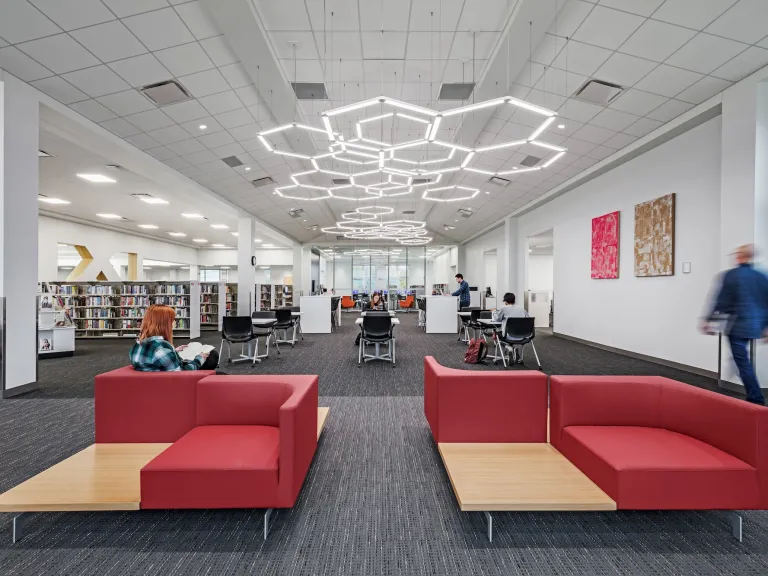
{"points": [[376, 329], [347, 303], [236, 330], [519, 332]]}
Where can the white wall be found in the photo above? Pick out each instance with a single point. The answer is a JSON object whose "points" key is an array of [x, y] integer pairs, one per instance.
{"points": [[541, 272], [653, 316], [475, 270]]}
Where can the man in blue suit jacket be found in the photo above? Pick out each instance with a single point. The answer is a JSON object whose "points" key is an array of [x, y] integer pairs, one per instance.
{"points": [[743, 297]]}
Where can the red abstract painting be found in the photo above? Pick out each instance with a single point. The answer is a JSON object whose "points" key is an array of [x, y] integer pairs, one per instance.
{"points": [[605, 246]]}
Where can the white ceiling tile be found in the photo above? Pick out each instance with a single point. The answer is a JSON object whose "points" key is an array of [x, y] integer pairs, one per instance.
{"points": [[20, 21], [59, 53], [150, 120], [74, 13], [703, 90], [92, 110], [3, 43], [570, 17], [305, 71], [669, 110], [429, 45], [624, 70], [613, 120], [656, 40], [705, 53], [231, 149], [248, 95], [396, 13], [96, 81], [345, 45], [578, 147], [236, 75], [601, 152], [141, 70], [637, 102], [125, 103], [58, 88], [745, 22], [246, 132], [749, 61], [445, 14], [19, 64], [305, 49], [120, 127], [694, 14], [547, 50], [235, 118], [169, 135], [584, 162], [640, 7], [560, 82], [205, 83], [185, 111], [219, 51], [668, 80], [197, 19], [581, 58], [186, 59], [125, 8], [607, 28], [391, 44], [457, 70], [284, 15], [579, 111], [484, 43], [223, 102], [200, 158], [593, 134], [619, 141], [211, 126], [161, 153], [485, 15], [642, 127], [142, 141], [159, 29], [177, 163], [216, 140], [763, 43], [339, 15], [186, 147], [109, 42]]}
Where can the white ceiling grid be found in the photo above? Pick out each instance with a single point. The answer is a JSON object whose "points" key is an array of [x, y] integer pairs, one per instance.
{"points": [[93, 54]]}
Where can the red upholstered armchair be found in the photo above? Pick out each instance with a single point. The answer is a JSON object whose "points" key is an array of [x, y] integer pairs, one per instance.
{"points": [[473, 406], [653, 443], [251, 447]]}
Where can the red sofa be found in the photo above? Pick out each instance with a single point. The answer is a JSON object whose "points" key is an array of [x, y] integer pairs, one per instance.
{"points": [[238, 441], [653, 443], [484, 407]]}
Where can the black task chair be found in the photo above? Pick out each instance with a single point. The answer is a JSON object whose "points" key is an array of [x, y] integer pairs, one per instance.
{"points": [[464, 332], [265, 329], [376, 329], [285, 322], [237, 330], [519, 332], [475, 325]]}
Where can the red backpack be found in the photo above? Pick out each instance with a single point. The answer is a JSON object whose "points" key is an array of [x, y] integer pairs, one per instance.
{"points": [[476, 352]]}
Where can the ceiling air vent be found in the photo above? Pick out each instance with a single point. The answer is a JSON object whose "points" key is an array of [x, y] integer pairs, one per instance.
{"points": [[341, 238], [498, 181], [409, 212], [232, 161], [164, 93], [420, 181], [341, 181], [310, 90], [530, 161], [457, 91], [448, 227], [598, 92], [312, 228], [259, 182], [295, 213], [465, 212]]}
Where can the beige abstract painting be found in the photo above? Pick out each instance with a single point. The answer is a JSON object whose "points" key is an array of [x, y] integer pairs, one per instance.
{"points": [[655, 237]]}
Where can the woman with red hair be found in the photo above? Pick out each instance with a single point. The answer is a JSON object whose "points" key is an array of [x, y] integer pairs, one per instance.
{"points": [[154, 351]]}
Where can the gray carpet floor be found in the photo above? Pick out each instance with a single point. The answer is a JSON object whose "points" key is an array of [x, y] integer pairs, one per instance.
{"points": [[377, 500]]}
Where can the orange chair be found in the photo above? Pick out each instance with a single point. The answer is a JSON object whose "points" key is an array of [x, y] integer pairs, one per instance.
{"points": [[347, 302], [408, 303]]}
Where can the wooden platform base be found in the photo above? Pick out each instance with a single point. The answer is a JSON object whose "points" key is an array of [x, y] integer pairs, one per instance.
{"points": [[101, 477]]}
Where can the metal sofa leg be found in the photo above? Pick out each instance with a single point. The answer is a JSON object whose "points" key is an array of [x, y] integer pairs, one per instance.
{"points": [[221, 349], [360, 352], [736, 524], [392, 351], [489, 518], [18, 526], [267, 517], [536, 354]]}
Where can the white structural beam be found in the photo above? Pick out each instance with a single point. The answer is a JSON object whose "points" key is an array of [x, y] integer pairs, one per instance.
{"points": [[246, 271]]}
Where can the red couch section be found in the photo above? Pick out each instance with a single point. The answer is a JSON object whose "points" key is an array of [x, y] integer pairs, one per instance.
{"points": [[473, 406], [133, 406], [653, 443]]}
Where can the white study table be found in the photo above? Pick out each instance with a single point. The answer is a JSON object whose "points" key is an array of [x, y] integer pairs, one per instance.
{"points": [[316, 314], [441, 314]]}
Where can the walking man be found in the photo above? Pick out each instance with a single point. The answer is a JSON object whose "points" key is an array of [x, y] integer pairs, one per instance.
{"points": [[743, 296]]}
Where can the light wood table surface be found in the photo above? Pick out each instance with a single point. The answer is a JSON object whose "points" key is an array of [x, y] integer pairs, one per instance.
{"points": [[322, 415]]}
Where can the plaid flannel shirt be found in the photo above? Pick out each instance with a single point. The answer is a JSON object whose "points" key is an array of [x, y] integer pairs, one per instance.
{"points": [[155, 354]]}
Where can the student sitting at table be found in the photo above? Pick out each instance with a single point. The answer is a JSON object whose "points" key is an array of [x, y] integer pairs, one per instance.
{"points": [[510, 310], [376, 302]]}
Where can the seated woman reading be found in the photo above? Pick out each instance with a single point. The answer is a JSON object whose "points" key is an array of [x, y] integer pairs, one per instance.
{"points": [[376, 303], [154, 351]]}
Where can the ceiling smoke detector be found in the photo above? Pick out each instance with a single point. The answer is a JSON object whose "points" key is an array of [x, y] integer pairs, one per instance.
{"points": [[598, 92], [265, 181], [456, 91], [310, 90], [165, 93]]}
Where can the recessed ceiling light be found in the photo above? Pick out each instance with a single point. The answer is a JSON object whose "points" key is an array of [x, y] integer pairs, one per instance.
{"points": [[96, 178], [220, 226], [192, 216], [49, 200], [147, 267], [153, 200], [561, 126], [264, 267], [148, 226], [109, 216], [176, 234], [218, 245], [203, 127], [234, 234], [256, 240], [268, 245], [199, 240], [247, 168], [224, 267]]}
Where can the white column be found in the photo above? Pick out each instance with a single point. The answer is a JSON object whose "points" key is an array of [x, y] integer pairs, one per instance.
{"points": [[509, 271], [194, 272], [19, 129], [246, 272], [302, 272]]}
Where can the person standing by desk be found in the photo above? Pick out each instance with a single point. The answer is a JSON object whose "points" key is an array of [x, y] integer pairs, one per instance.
{"points": [[462, 292], [743, 297]]}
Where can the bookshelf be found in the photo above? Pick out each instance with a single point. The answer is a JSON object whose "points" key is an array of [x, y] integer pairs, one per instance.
{"points": [[264, 297], [231, 301], [209, 306], [55, 328]]}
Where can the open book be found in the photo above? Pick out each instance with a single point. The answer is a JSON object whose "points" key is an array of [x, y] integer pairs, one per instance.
{"points": [[193, 349]]}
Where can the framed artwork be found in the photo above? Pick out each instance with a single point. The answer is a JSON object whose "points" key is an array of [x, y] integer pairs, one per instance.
{"points": [[605, 246], [655, 237]]}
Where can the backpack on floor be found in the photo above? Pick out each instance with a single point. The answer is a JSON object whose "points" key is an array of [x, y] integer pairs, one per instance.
{"points": [[476, 352]]}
